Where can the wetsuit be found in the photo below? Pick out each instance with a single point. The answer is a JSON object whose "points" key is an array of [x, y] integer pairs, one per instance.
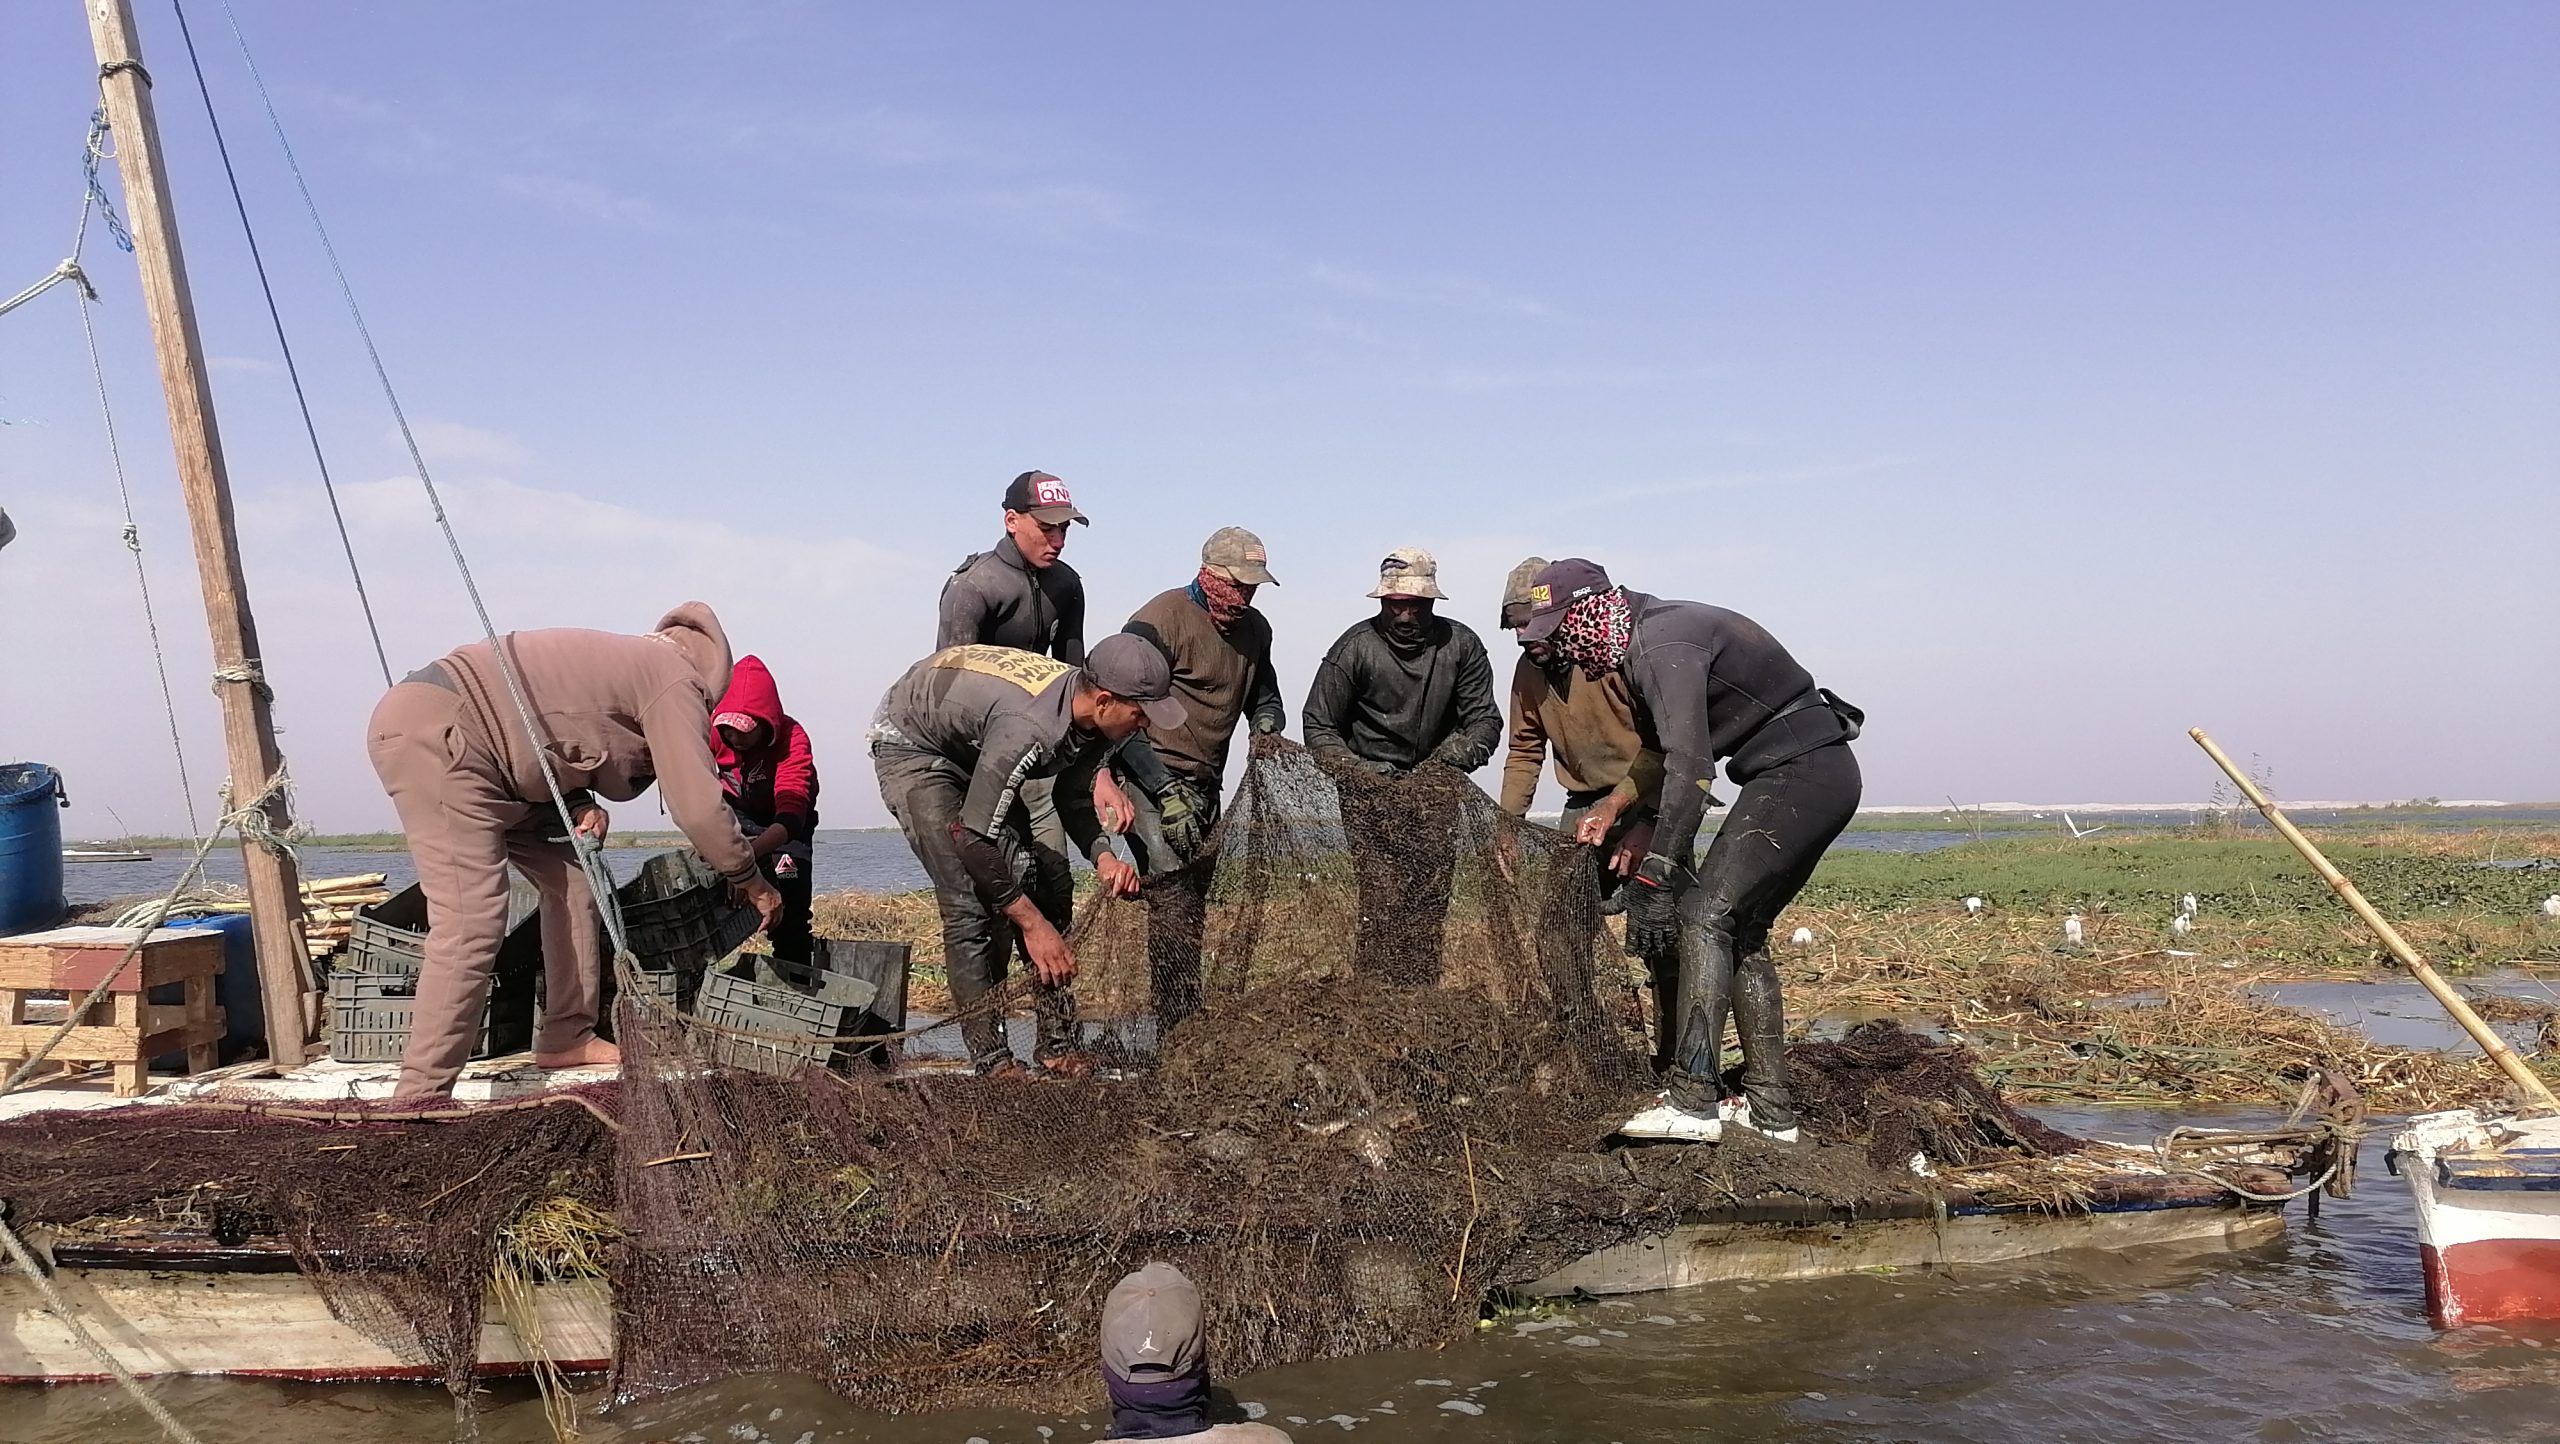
{"points": [[1711, 683]]}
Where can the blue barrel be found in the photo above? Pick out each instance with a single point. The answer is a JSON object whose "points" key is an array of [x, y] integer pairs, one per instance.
{"points": [[30, 847], [243, 1002]]}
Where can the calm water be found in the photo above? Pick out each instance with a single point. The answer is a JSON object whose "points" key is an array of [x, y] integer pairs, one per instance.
{"points": [[2321, 1336]]}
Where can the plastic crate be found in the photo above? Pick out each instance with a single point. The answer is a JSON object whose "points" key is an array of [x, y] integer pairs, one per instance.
{"points": [[882, 965], [370, 1015], [389, 937], [680, 923], [767, 996]]}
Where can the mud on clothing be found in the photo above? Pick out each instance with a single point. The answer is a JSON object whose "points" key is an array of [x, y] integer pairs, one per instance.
{"points": [[1402, 704], [1591, 728], [954, 743]]}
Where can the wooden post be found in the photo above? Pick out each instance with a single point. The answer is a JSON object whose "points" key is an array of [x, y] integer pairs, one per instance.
{"points": [[275, 897], [2536, 1093]]}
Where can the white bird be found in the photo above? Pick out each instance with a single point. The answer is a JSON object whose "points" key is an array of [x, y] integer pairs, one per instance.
{"points": [[1973, 906], [1802, 937], [2078, 831], [2551, 906], [2071, 931], [2181, 925], [2187, 905]]}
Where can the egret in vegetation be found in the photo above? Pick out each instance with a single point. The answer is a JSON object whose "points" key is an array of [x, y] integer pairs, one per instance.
{"points": [[1802, 937], [2181, 924], [2187, 905], [1973, 907], [2071, 931], [2551, 906]]}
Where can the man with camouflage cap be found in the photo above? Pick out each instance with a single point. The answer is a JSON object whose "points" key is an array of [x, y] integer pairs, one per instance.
{"points": [[1404, 690], [1219, 648]]}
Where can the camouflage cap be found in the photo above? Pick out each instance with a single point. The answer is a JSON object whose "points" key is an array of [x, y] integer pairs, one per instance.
{"points": [[1409, 572], [1515, 592], [1237, 554]]}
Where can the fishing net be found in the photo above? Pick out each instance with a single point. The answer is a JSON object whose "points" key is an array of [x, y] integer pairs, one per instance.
{"points": [[1361, 1066]]}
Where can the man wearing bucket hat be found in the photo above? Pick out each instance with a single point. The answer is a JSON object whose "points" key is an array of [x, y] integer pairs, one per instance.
{"points": [[953, 743], [1155, 1363], [1400, 690], [1219, 648], [1712, 684]]}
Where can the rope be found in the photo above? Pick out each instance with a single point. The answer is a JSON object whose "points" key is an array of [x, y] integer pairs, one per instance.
{"points": [[591, 859], [60, 1308], [95, 202], [293, 372], [67, 270]]}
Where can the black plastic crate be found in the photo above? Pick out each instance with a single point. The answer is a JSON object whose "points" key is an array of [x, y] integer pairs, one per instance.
{"points": [[768, 997], [680, 923], [883, 966], [388, 937], [370, 1015]]}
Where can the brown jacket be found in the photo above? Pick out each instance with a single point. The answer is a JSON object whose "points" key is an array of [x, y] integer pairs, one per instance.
{"points": [[1222, 678], [616, 713], [1592, 727]]}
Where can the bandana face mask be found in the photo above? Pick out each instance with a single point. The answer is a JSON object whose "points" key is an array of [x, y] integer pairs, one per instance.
{"points": [[1595, 633], [1225, 598]]}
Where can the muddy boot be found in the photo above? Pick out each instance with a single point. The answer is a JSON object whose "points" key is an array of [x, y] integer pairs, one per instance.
{"points": [[1664, 977], [1761, 1017], [1689, 1109]]}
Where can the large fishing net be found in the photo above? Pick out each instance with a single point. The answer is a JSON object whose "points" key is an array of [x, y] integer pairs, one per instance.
{"points": [[1361, 1067]]}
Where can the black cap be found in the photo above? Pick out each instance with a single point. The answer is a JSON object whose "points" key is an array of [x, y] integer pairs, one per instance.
{"points": [[1127, 665], [1044, 497], [1556, 588]]}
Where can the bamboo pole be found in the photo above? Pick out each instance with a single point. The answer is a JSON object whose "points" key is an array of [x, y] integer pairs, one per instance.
{"points": [[248, 723], [2535, 1091]]}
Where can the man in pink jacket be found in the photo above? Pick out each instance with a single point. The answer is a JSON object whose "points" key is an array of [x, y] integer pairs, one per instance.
{"points": [[615, 714]]}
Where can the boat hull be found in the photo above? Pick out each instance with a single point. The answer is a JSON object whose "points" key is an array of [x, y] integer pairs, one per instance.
{"points": [[2487, 1196]]}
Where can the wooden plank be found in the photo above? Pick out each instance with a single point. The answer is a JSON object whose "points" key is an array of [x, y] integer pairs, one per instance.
{"points": [[104, 1045], [171, 958]]}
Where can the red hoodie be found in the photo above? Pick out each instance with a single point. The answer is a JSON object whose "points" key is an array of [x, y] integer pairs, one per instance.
{"points": [[777, 782]]}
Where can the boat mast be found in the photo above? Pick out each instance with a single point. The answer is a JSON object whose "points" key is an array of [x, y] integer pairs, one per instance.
{"points": [[248, 724]]}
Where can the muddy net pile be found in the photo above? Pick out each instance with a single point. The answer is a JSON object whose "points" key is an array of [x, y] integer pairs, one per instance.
{"points": [[1362, 1065]]}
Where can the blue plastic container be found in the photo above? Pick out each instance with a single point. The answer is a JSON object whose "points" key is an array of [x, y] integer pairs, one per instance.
{"points": [[237, 990], [31, 806]]}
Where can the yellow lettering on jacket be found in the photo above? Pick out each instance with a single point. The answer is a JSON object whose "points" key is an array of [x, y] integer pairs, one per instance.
{"points": [[1027, 670]]}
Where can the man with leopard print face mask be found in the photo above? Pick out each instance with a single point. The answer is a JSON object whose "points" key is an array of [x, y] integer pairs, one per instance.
{"points": [[1712, 684]]}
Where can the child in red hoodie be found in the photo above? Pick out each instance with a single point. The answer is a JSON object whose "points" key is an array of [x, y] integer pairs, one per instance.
{"points": [[772, 784]]}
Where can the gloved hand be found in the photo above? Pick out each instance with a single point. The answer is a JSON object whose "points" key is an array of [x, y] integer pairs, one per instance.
{"points": [[1184, 819], [1268, 724], [1653, 906]]}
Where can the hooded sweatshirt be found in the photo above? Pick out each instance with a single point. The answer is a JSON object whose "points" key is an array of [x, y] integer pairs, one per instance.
{"points": [[774, 782], [1404, 702], [616, 713]]}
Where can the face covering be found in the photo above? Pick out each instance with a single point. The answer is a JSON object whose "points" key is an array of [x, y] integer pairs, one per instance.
{"points": [[1159, 1408], [1406, 633], [1224, 598], [1595, 632]]}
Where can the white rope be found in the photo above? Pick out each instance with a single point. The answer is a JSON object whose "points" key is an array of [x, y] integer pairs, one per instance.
{"points": [[61, 1309], [69, 270]]}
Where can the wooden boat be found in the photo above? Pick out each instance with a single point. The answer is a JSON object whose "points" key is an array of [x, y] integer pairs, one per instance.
{"points": [[185, 1304], [2487, 1192]]}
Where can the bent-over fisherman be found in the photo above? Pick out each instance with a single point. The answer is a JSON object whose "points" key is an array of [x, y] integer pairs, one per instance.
{"points": [[1708, 684], [615, 714]]}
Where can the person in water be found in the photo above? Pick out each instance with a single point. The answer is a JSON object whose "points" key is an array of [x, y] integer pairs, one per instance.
{"points": [[1155, 1363]]}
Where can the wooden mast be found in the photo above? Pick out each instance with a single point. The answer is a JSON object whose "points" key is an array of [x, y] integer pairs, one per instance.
{"points": [[248, 726]]}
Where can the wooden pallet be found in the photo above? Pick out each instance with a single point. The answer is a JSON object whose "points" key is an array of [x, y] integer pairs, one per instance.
{"points": [[124, 1031]]}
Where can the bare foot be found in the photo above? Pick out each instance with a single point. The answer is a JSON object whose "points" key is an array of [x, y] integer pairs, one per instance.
{"points": [[593, 1053]]}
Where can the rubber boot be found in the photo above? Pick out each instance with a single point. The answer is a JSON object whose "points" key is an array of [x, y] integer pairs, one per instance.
{"points": [[1663, 972], [1760, 1015], [1704, 996]]}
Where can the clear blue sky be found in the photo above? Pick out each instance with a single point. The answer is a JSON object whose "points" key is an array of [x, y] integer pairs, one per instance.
{"points": [[2050, 378]]}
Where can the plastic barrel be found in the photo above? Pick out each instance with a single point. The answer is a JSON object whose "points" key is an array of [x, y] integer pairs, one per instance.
{"points": [[237, 992], [30, 848]]}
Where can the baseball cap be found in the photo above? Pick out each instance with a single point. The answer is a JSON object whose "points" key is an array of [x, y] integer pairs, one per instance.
{"points": [[1127, 665], [1515, 591], [1237, 554], [1556, 588], [1044, 497], [737, 721], [1152, 1326], [1409, 572]]}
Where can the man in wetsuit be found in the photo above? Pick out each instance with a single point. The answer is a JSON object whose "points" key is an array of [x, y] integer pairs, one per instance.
{"points": [[1401, 696], [953, 743], [1709, 684]]}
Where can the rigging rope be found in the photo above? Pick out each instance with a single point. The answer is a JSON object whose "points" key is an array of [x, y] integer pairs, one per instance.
{"points": [[293, 372], [95, 202], [61, 1308], [591, 859]]}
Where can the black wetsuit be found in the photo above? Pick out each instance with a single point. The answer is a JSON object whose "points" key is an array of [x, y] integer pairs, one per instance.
{"points": [[1711, 683]]}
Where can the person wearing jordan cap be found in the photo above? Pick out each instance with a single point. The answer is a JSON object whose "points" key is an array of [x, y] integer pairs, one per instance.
{"points": [[1155, 1363], [1404, 691], [955, 743], [1712, 684]]}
